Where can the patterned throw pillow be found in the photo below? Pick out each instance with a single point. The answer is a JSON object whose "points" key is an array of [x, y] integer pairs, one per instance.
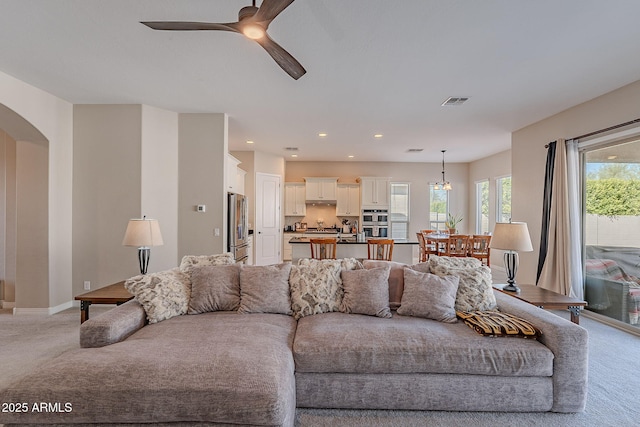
{"points": [[315, 288], [429, 296], [265, 289], [498, 324], [190, 261], [163, 295], [366, 292], [214, 288], [475, 292]]}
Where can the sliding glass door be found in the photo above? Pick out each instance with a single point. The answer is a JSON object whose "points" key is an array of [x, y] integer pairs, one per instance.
{"points": [[611, 182]]}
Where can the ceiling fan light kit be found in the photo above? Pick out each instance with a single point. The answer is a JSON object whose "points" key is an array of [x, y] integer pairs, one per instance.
{"points": [[253, 23]]}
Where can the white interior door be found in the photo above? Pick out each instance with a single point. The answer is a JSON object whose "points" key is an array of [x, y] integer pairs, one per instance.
{"points": [[268, 232]]}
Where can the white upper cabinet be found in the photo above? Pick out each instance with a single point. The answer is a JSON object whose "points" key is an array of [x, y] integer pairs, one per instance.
{"points": [[375, 192], [232, 184], [321, 189], [294, 199], [348, 200]]}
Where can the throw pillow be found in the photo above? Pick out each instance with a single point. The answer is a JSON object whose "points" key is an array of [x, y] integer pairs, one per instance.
{"points": [[429, 296], [190, 261], [453, 262], [214, 288], [498, 324], [163, 295], [345, 263], [315, 288], [265, 289], [396, 279], [475, 292], [366, 292]]}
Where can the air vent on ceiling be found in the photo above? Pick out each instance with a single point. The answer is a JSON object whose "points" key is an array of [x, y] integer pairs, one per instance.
{"points": [[454, 101], [415, 150], [291, 148]]}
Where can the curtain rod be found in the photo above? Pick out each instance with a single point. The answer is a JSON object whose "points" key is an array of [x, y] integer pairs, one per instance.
{"points": [[603, 130]]}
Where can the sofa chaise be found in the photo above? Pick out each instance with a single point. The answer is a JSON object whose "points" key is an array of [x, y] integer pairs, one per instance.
{"points": [[255, 364]]}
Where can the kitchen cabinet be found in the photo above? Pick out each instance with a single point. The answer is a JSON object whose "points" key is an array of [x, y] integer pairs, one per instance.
{"points": [[375, 192], [348, 203], [321, 189], [232, 182], [286, 246], [295, 199]]}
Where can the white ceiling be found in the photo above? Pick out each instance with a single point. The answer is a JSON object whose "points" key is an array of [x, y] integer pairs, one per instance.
{"points": [[373, 66]]}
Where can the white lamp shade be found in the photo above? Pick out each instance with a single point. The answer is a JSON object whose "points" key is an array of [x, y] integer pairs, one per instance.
{"points": [[511, 236], [142, 232]]}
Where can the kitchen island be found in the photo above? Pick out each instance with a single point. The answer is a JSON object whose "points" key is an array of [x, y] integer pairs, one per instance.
{"points": [[403, 250]]}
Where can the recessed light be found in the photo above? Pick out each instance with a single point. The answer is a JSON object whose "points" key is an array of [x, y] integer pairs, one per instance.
{"points": [[378, 135], [294, 155], [351, 156], [322, 134], [249, 141], [612, 157]]}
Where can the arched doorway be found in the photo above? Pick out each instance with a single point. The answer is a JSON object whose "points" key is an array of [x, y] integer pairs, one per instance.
{"points": [[24, 212]]}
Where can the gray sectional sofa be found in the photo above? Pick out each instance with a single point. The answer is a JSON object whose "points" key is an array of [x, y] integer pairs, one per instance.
{"points": [[226, 368]]}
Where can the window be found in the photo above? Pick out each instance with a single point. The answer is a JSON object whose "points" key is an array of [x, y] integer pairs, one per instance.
{"points": [[438, 208], [482, 207], [503, 199], [399, 211]]}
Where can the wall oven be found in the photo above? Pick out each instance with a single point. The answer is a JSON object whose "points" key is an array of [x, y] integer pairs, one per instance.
{"points": [[376, 231], [375, 217]]}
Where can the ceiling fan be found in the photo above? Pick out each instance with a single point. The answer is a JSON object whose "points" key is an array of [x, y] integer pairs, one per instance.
{"points": [[253, 22]]}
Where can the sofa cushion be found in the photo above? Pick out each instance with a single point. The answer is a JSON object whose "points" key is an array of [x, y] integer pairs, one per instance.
{"points": [[265, 289], [497, 324], [429, 296], [190, 261], [163, 295], [351, 343], [214, 288], [475, 292], [210, 368], [366, 292]]}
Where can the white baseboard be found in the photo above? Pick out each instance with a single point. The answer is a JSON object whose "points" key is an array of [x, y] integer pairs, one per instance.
{"points": [[42, 311], [7, 304]]}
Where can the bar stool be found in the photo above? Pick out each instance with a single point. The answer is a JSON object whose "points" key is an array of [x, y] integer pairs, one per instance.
{"points": [[323, 248], [380, 249]]}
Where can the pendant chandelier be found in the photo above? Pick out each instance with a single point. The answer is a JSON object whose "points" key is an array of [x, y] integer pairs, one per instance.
{"points": [[444, 184]]}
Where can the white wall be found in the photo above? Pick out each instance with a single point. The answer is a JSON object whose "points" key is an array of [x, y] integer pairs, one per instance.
{"points": [[529, 156], [159, 198], [53, 117]]}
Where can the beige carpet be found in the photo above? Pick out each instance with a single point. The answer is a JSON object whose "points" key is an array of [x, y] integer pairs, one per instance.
{"points": [[613, 395]]}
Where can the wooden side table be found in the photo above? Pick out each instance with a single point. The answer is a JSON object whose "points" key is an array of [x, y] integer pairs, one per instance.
{"points": [[547, 299], [112, 294]]}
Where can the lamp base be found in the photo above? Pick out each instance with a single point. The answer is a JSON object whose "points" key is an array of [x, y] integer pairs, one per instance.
{"points": [[511, 287], [144, 253]]}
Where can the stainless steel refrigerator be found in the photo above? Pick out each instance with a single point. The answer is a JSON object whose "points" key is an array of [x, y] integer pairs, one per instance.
{"points": [[238, 239]]}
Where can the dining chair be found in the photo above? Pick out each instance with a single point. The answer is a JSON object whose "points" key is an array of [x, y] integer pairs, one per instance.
{"points": [[432, 246], [380, 249], [323, 248], [422, 244], [457, 245], [479, 248]]}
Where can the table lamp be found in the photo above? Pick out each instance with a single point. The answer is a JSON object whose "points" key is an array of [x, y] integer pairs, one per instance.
{"points": [[143, 233], [511, 237]]}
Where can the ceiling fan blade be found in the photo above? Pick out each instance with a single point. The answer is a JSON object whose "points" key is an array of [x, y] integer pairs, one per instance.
{"points": [[191, 26], [269, 9], [283, 58]]}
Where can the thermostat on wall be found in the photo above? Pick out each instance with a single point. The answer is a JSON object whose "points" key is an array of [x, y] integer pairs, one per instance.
{"points": [[201, 208]]}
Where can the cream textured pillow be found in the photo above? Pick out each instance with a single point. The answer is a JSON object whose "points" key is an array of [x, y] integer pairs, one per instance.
{"points": [[429, 296], [265, 289], [453, 262], [214, 288], [366, 292], [163, 295], [475, 292], [190, 261]]}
